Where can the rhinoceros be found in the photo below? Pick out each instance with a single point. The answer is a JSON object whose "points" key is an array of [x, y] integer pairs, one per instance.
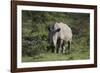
{"points": [[59, 34]]}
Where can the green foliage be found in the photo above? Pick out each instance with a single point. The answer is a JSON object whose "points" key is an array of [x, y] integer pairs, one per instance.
{"points": [[35, 33], [34, 44]]}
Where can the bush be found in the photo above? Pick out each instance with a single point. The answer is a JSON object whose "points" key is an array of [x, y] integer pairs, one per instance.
{"points": [[35, 44]]}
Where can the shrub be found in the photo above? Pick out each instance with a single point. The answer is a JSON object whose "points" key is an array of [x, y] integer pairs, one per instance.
{"points": [[35, 44]]}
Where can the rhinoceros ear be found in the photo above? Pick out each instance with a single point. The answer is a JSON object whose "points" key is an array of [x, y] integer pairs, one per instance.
{"points": [[48, 28], [57, 30]]}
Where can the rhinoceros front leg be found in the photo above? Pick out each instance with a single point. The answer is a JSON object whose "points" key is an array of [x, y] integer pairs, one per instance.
{"points": [[55, 44], [60, 46]]}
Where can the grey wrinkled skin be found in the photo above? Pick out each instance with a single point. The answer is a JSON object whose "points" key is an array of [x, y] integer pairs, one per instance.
{"points": [[58, 35]]}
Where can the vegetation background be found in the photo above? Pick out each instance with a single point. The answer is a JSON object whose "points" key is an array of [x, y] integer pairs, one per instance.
{"points": [[35, 32]]}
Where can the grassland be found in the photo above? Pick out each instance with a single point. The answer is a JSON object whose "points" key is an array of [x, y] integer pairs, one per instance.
{"points": [[35, 35], [57, 57]]}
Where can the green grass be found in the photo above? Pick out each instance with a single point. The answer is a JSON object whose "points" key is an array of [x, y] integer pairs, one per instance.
{"points": [[57, 57], [79, 51]]}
